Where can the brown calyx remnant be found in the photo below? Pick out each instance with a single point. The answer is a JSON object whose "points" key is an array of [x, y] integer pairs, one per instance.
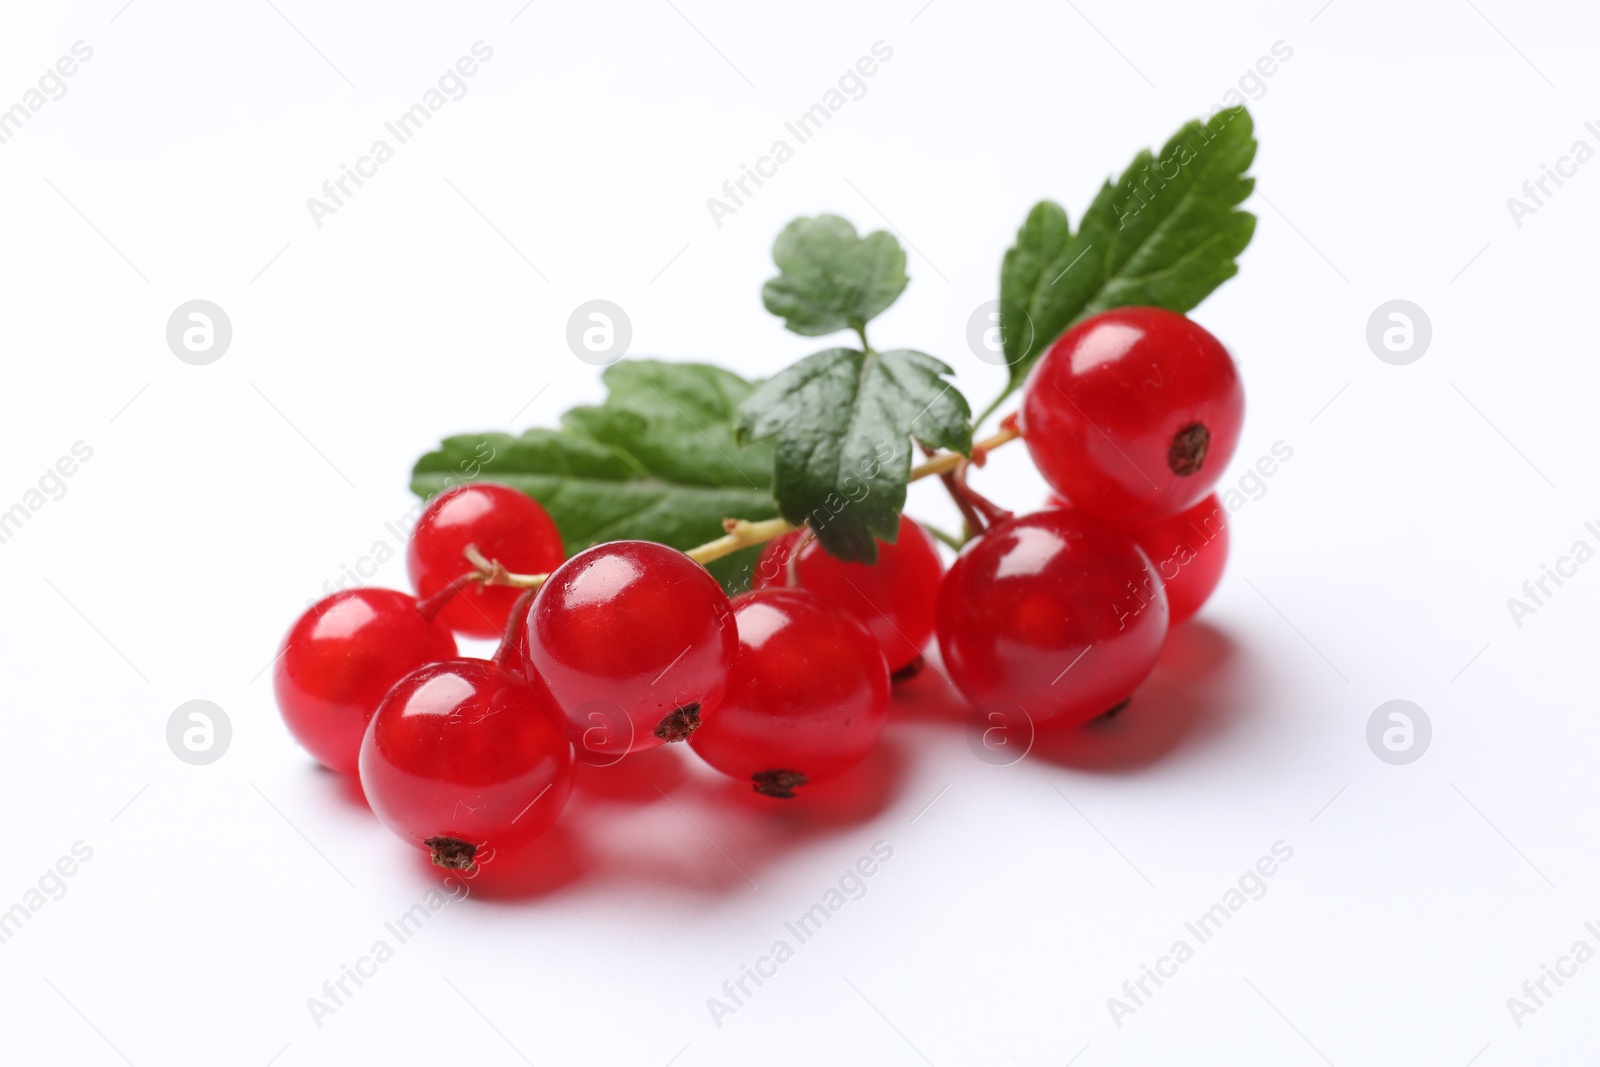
{"points": [[779, 784], [1112, 714], [1188, 451], [909, 671], [679, 724], [451, 853]]}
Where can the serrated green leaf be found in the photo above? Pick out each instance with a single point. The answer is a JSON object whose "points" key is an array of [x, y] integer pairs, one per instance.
{"points": [[1166, 234], [1043, 235], [693, 391], [674, 421], [842, 420], [656, 462], [829, 279]]}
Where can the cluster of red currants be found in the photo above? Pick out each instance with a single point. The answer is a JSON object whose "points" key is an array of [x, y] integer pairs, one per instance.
{"points": [[1058, 615]]}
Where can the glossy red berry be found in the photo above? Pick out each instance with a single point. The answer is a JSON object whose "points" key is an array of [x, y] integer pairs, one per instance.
{"points": [[464, 756], [341, 657], [505, 525], [1056, 612], [894, 598], [635, 640], [1133, 414], [1189, 551], [808, 698]]}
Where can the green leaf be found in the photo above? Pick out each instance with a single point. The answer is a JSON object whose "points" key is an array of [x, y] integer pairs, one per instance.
{"points": [[829, 279], [1166, 234], [1043, 235], [674, 421], [842, 419], [657, 461]]}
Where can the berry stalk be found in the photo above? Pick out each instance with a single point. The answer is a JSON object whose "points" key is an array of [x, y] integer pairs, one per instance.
{"points": [[990, 512]]}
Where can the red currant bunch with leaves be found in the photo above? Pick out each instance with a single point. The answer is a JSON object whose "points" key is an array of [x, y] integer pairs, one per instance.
{"points": [[705, 559]]}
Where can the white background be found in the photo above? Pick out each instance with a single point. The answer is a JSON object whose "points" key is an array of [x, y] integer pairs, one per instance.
{"points": [[1376, 564]]}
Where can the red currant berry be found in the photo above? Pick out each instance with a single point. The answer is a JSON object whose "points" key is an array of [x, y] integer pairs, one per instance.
{"points": [[1132, 415], [505, 525], [1189, 551], [639, 629], [338, 660], [808, 698], [894, 598], [1056, 612], [464, 756]]}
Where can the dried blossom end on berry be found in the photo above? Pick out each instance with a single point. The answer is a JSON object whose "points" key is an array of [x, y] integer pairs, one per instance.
{"points": [[1188, 452], [451, 853], [777, 784], [679, 725]]}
